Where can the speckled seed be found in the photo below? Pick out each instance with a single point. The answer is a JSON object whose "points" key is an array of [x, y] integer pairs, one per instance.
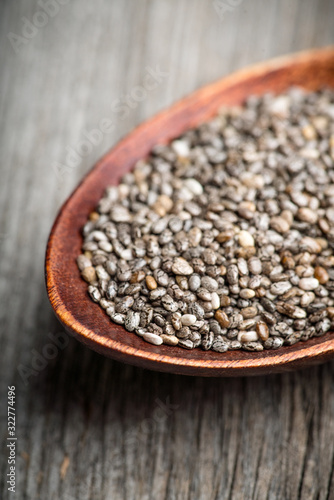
{"points": [[209, 284], [161, 277], [181, 266], [255, 265], [83, 262], [169, 304], [176, 320], [252, 346], [194, 282], [194, 236], [157, 293], [273, 343], [175, 224], [219, 345], [248, 324], [94, 293], [132, 321], [222, 318], [232, 274], [186, 343], [290, 310], [280, 287], [124, 304], [146, 316], [262, 330], [207, 340], [118, 318], [188, 319], [254, 282], [152, 338], [203, 294], [308, 283]]}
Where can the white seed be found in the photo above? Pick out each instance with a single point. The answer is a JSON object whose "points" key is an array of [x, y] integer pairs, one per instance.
{"points": [[127, 254], [188, 319], [308, 283], [194, 186], [152, 338], [247, 293], [307, 298], [280, 287], [252, 180], [83, 262], [246, 239], [249, 336], [181, 148], [215, 300]]}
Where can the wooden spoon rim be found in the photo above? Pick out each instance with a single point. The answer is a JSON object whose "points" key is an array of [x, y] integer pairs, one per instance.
{"points": [[244, 362]]}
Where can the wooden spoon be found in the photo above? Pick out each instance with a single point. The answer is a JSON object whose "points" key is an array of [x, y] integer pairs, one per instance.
{"points": [[68, 292]]}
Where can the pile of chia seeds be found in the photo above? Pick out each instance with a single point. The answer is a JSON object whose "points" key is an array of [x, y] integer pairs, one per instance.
{"points": [[223, 239]]}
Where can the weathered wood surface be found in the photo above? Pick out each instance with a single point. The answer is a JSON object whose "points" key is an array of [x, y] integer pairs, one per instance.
{"points": [[89, 428]]}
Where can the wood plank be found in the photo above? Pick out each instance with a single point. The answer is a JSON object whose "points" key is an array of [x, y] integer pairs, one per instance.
{"points": [[262, 438]]}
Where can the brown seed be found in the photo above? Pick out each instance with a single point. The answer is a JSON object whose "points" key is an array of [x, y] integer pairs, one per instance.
{"points": [[288, 262], [330, 312], [260, 292], [89, 274], [279, 224], [151, 283], [246, 253], [94, 216], [225, 236], [169, 339], [137, 277], [222, 318], [249, 312], [324, 226], [225, 301], [321, 275], [307, 215], [262, 330], [223, 270]]}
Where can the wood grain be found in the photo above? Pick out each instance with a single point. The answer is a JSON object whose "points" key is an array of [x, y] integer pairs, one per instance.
{"points": [[258, 438]]}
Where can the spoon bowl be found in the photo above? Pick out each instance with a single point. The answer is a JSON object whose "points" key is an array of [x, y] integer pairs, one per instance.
{"points": [[67, 292]]}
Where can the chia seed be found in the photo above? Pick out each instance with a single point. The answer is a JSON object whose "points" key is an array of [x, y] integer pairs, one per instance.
{"points": [[224, 238]]}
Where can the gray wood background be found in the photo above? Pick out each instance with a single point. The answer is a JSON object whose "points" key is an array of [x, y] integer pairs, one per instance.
{"points": [[88, 427]]}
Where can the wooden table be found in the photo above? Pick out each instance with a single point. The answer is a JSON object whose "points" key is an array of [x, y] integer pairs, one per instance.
{"points": [[88, 427]]}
